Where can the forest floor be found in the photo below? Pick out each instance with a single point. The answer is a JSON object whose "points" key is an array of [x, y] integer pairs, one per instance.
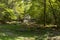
{"points": [[16, 32]]}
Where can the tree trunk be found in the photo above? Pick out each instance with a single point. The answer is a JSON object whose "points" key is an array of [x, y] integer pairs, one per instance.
{"points": [[44, 12]]}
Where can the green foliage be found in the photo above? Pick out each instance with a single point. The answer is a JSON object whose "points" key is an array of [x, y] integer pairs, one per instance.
{"points": [[10, 14], [16, 9]]}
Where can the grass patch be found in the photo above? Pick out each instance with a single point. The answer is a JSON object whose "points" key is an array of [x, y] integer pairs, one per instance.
{"points": [[14, 32]]}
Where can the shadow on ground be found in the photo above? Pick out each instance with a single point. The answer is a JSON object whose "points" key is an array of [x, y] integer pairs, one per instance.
{"points": [[8, 32]]}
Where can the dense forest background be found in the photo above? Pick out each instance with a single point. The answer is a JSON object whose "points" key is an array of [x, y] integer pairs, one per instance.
{"points": [[41, 11], [29, 19]]}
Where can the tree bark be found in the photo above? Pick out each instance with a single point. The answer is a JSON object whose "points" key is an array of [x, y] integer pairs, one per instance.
{"points": [[44, 12]]}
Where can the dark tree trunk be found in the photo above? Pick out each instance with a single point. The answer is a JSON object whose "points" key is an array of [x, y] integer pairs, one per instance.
{"points": [[44, 12]]}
